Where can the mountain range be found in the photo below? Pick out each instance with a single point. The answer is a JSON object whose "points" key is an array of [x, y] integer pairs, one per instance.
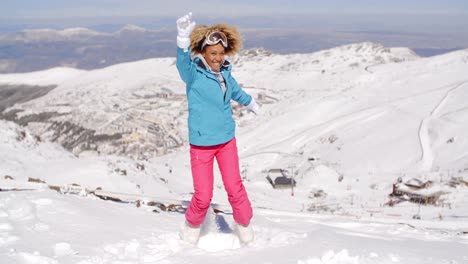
{"points": [[78, 47]]}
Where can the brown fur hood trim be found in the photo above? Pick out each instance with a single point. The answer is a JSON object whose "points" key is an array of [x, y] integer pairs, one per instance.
{"points": [[200, 32]]}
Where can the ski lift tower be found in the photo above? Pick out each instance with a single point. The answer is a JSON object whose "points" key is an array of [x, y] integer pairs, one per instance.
{"points": [[292, 167]]}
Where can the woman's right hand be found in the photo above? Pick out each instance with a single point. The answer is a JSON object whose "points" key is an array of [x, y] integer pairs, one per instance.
{"points": [[185, 25]]}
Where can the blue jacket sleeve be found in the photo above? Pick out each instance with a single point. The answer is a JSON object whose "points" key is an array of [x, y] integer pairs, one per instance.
{"points": [[185, 66], [238, 94]]}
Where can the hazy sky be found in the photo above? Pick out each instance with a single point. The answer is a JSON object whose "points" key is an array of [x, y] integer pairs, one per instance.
{"points": [[441, 15], [64, 8]]}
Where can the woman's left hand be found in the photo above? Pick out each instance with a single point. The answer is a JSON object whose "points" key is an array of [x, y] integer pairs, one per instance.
{"points": [[253, 107]]}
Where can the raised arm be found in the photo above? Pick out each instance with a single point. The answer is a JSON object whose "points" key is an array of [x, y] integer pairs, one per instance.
{"points": [[185, 25]]}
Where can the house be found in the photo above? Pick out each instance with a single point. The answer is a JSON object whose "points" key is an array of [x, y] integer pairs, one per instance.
{"points": [[416, 191], [279, 179]]}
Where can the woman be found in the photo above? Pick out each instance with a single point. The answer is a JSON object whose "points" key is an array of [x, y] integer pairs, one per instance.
{"points": [[210, 88]]}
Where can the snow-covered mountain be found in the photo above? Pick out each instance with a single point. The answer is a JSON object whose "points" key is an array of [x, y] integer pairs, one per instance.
{"points": [[128, 102], [351, 125], [67, 34], [364, 108], [83, 48]]}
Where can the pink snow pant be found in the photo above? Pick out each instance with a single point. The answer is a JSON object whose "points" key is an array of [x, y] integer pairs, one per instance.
{"points": [[201, 159]]}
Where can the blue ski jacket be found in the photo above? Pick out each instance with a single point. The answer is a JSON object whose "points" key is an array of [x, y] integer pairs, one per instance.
{"points": [[210, 119]]}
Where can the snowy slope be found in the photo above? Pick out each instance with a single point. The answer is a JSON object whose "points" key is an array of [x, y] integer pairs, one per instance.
{"points": [[128, 102], [54, 76], [399, 107], [346, 122]]}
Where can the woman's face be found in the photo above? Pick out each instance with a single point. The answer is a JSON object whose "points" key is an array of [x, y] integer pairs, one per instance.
{"points": [[214, 56]]}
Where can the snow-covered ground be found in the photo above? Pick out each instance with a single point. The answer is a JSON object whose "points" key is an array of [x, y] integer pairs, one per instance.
{"points": [[46, 227], [348, 123]]}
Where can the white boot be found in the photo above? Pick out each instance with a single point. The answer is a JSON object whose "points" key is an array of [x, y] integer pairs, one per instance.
{"points": [[246, 233], [190, 234]]}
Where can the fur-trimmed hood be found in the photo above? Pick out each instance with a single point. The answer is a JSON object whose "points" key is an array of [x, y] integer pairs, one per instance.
{"points": [[200, 32]]}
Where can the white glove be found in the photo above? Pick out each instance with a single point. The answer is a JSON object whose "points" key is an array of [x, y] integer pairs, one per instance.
{"points": [[185, 25], [253, 107]]}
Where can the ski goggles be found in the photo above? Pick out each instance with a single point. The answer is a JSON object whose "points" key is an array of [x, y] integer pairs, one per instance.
{"points": [[215, 38]]}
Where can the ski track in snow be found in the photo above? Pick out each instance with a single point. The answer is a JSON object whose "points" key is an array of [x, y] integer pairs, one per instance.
{"points": [[357, 117], [369, 113], [427, 155]]}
